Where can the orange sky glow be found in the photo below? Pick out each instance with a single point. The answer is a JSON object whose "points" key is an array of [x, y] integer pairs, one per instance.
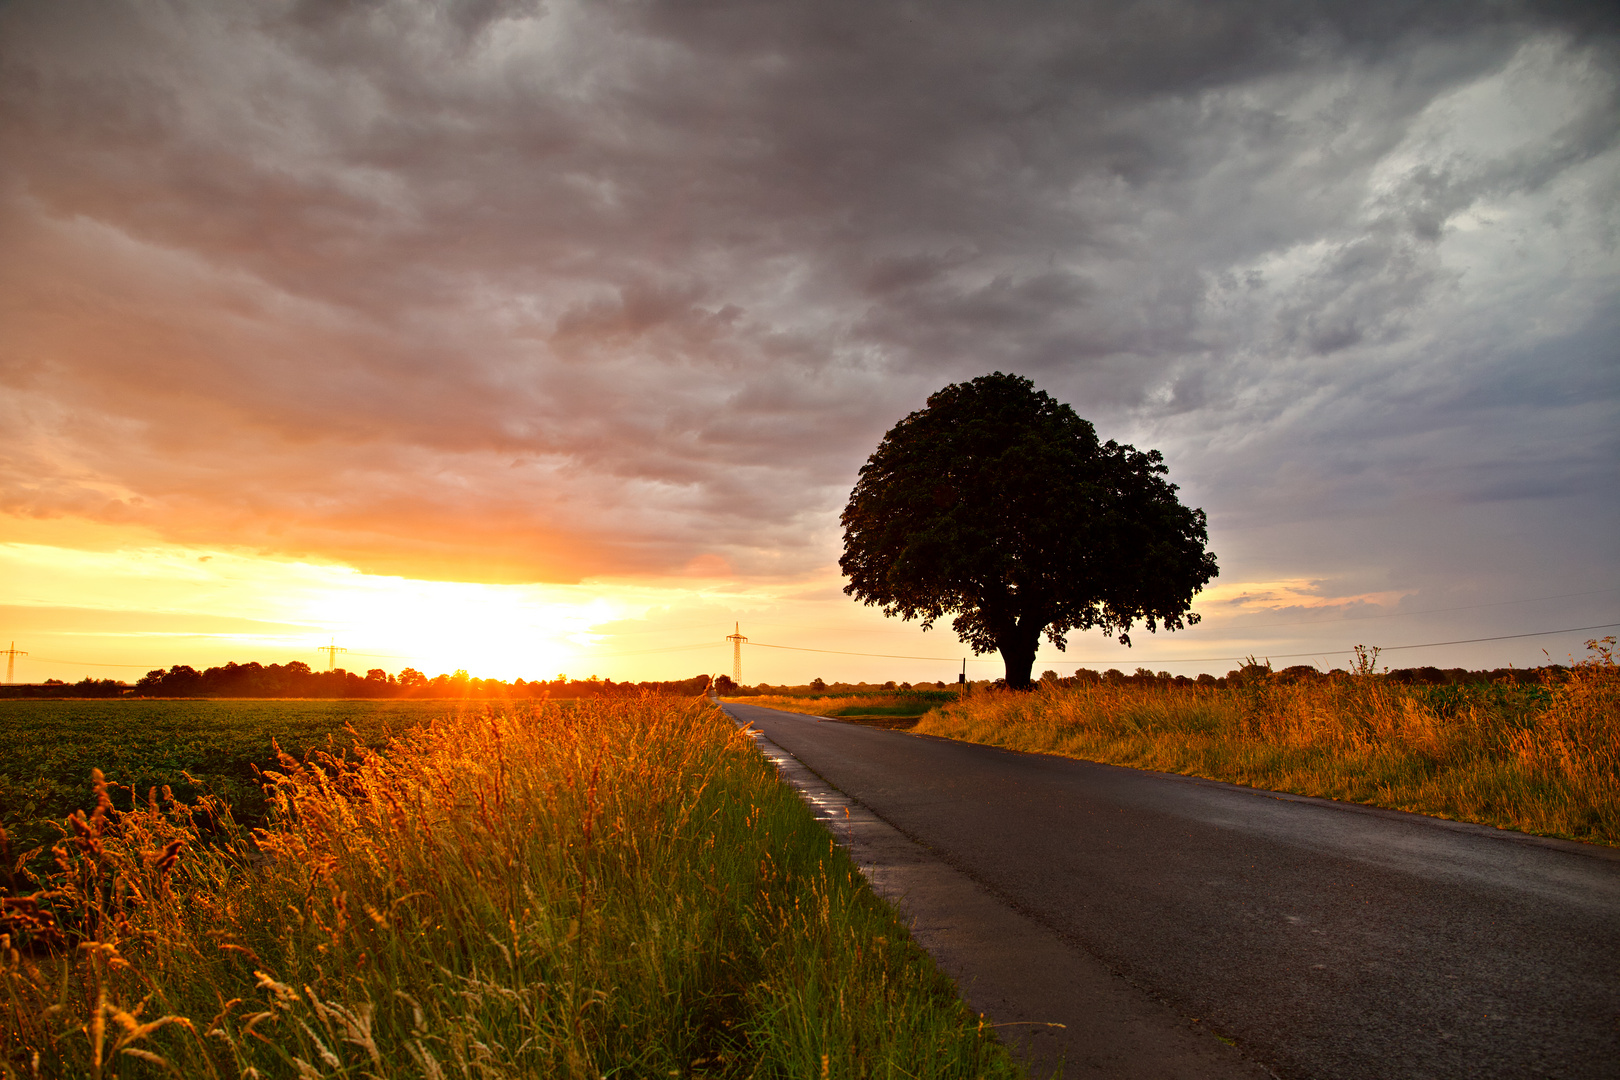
{"points": [[537, 339], [117, 604]]}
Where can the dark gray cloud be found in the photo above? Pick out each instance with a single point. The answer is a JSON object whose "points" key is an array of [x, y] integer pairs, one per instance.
{"points": [[516, 291]]}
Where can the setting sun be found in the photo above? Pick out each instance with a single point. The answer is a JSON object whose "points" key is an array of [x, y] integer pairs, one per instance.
{"points": [[141, 607]]}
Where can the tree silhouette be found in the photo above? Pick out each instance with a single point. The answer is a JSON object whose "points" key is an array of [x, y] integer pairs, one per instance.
{"points": [[997, 504]]}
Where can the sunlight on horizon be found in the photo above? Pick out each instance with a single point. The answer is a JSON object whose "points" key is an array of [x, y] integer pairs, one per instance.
{"points": [[111, 603], [289, 609]]}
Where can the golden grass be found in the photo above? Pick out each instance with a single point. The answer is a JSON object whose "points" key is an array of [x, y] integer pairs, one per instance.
{"points": [[1542, 758], [618, 888]]}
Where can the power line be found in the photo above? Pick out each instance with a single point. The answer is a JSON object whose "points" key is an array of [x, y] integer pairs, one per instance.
{"points": [[1429, 611], [331, 650], [670, 649], [737, 642], [650, 630], [1190, 659], [632, 652], [1332, 652], [981, 659], [1243, 627], [11, 661], [1504, 637], [386, 656], [843, 652]]}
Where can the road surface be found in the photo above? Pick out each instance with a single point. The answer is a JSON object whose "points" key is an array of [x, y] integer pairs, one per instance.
{"points": [[1321, 940]]}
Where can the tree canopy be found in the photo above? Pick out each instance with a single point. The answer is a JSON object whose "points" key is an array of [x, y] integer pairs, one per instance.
{"points": [[997, 504]]}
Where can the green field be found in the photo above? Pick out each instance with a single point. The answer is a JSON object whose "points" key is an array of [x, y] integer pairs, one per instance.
{"points": [[607, 888], [192, 746]]}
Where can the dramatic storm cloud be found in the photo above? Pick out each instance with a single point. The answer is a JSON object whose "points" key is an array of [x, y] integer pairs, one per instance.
{"points": [[510, 292]]}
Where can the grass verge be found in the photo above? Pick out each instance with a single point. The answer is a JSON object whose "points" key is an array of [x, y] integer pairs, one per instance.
{"points": [[616, 889], [1538, 758]]}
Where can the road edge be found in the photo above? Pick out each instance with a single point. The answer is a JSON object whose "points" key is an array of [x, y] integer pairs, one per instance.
{"points": [[1496, 832], [1059, 1009]]}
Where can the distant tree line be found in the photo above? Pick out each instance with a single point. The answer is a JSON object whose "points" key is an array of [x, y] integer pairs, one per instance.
{"points": [[86, 687], [1256, 671], [297, 680], [1248, 674]]}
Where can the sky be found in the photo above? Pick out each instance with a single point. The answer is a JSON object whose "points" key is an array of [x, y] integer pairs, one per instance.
{"points": [[549, 338]]}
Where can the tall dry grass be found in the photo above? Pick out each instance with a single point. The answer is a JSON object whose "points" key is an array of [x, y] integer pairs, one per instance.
{"points": [[616, 889], [1540, 758]]}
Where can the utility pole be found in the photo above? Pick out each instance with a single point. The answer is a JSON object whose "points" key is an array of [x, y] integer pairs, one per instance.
{"points": [[331, 652], [736, 640], [11, 662]]}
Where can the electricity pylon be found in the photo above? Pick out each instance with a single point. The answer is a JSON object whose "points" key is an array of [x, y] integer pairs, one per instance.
{"points": [[736, 640], [331, 652], [11, 661]]}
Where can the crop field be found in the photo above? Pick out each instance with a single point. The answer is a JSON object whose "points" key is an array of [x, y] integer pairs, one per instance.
{"points": [[614, 888], [194, 747]]}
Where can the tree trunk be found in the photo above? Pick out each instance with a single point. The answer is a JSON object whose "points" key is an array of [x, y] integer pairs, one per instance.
{"points": [[1018, 653]]}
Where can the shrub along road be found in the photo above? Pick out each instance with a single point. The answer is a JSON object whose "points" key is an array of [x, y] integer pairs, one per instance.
{"points": [[1325, 940]]}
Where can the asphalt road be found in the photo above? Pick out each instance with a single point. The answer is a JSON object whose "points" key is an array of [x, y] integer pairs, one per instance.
{"points": [[1323, 940]]}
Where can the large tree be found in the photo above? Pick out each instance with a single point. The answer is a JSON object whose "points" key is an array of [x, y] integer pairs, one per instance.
{"points": [[998, 504]]}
